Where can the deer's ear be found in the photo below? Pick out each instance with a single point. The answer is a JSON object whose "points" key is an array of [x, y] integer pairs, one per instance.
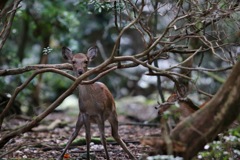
{"points": [[92, 52], [67, 53]]}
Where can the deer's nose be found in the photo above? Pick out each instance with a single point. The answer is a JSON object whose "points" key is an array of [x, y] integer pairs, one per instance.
{"points": [[80, 71]]}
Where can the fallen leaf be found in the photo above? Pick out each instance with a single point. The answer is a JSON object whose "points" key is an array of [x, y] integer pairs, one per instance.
{"points": [[66, 155]]}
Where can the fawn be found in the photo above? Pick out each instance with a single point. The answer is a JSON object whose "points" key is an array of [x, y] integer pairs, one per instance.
{"points": [[96, 104], [186, 107]]}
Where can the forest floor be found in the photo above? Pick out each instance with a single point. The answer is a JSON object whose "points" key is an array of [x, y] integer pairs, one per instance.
{"points": [[47, 140]]}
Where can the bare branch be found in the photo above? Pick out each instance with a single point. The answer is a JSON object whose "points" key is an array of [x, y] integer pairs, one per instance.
{"points": [[206, 69], [21, 87], [6, 30], [189, 58], [15, 71], [5, 138]]}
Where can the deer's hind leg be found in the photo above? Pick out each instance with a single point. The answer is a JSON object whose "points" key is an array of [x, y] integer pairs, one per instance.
{"points": [[114, 125]]}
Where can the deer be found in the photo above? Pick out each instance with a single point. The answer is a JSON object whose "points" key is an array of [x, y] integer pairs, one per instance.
{"points": [[186, 107], [96, 104]]}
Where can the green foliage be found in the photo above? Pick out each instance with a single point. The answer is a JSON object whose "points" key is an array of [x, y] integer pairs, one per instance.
{"points": [[96, 140], [225, 148], [104, 6]]}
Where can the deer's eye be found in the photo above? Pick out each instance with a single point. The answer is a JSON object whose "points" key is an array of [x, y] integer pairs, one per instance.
{"points": [[85, 62], [73, 62]]}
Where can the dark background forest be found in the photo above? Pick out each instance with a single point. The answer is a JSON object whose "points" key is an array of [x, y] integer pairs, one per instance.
{"points": [[148, 51]]}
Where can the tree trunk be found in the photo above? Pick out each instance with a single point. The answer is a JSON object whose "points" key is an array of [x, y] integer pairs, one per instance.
{"points": [[23, 38], [37, 90], [204, 125], [2, 4]]}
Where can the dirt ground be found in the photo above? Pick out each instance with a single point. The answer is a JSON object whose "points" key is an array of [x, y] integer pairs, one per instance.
{"points": [[46, 140]]}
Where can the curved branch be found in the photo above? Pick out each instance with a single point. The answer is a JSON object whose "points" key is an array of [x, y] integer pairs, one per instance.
{"points": [[205, 69], [14, 71], [7, 27], [99, 75], [186, 60], [123, 30], [21, 87]]}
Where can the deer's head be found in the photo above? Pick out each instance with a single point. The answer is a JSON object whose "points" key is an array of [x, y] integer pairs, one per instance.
{"points": [[79, 61]]}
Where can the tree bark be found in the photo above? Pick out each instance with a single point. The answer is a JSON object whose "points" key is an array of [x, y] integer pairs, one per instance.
{"points": [[2, 4], [204, 125]]}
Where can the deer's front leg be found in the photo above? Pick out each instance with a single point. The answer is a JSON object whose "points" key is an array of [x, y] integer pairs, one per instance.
{"points": [[79, 125], [88, 133], [101, 127]]}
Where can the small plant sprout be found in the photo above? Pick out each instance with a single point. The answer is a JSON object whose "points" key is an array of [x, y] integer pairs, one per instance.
{"points": [[47, 50]]}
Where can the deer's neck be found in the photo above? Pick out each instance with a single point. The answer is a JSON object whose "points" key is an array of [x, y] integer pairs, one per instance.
{"points": [[85, 91]]}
